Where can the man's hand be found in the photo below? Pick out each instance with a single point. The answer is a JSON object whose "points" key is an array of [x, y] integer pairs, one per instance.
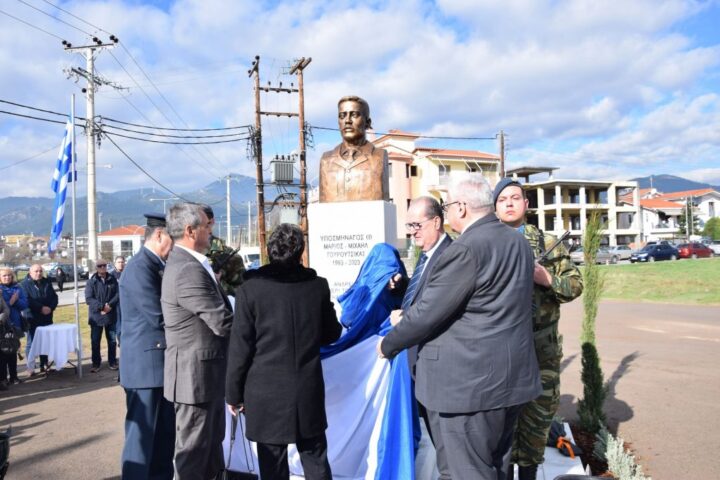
{"points": [[394, 281], [234, 410], [396, 317], [46, 310], [106, 308], [541, 276], [378, 348]]}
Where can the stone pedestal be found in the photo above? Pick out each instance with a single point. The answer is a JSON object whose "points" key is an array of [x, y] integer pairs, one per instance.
{"points": [[342, 233]]}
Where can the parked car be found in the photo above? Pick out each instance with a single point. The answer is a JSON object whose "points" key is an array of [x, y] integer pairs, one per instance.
{"points": [[622, 252], [714, 245], [68, 269], [603, 256], [694, 250], [651, 253]]}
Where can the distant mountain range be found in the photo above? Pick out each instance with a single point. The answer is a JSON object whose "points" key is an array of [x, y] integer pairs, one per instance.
{"points": [[671, 183], [25, 215]]}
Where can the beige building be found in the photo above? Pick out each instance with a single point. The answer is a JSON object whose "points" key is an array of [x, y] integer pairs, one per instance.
{"points": [[416, 171], [559, 205]]}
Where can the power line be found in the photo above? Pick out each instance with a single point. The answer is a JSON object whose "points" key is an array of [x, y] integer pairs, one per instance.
{"points": [[108, 134], [55, 18], [173, 136], [418, 136], [38, 109], [76, 17], [146, 172], [176, 129], [27, 159], [32, 117], [31, 25]]}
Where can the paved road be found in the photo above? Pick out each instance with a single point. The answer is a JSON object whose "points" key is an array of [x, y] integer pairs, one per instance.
{"points": [[661, 361]]}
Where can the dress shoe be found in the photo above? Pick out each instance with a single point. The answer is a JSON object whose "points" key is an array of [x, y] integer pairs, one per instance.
{"points": [[527, 473]]}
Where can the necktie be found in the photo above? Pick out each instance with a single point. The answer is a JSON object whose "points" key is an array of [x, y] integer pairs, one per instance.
{"points": [[414, 281]]}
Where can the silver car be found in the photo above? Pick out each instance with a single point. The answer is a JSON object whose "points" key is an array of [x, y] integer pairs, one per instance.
{"points": [[603, 256], [622, 252]]}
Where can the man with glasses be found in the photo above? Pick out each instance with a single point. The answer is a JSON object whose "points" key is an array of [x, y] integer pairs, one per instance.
{"points": [[557, 280], [476, 358], [102, 298], [425, 221]]}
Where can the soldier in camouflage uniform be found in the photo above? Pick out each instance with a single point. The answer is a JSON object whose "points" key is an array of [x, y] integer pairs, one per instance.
{"points": [[223, 259], [557, 280]]}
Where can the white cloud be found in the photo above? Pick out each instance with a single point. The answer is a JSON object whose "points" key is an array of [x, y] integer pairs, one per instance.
{"points": [[574, 84]]}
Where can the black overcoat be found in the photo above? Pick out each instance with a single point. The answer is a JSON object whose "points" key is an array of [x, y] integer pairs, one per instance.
{"points": [[282, 317]]}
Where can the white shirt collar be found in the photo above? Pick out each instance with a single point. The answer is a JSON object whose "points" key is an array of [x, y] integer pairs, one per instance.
{"points": [[200, 258], [430, 252]]}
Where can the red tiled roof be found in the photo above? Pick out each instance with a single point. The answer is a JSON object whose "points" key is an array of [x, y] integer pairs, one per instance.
{"points": [[124, 230], [458, 153], [686, 193], [657, 203]]}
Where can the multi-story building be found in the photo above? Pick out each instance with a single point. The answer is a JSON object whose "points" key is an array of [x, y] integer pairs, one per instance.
{"points": [[416, 171], [559, 205]]}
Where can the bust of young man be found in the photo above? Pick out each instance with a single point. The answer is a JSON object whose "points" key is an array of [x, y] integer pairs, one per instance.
{"points": [[354, 170]]}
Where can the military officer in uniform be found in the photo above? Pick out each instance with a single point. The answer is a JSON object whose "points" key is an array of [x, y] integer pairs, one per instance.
{"points": [[223, 259], [557, 280], [150, 418]]}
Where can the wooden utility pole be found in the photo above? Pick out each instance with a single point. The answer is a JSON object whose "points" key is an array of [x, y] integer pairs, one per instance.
{"points": [[502, 155], [298, 68], [259, 181]]}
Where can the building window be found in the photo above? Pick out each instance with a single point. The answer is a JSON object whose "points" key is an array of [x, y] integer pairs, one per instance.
{"points": [[126, 248], [443, 170], [711, 209], [413, 171]]}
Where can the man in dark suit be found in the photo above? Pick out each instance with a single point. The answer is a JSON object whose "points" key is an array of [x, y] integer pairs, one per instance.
{"points": [[150, 418], [425, 220], [198, 319], [476, 360]]}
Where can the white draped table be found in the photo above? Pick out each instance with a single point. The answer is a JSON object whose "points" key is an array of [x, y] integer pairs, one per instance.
{"points": [[56, 341]]}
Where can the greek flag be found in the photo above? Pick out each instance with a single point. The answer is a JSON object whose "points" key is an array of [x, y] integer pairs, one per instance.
{"points": [[60, 180]]}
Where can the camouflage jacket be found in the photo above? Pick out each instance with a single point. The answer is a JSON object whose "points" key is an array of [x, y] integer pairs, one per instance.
{"points": [[567, 283], [223, 260]]}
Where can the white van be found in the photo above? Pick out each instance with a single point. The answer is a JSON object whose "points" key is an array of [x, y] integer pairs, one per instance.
{"points": [[251, 257]]}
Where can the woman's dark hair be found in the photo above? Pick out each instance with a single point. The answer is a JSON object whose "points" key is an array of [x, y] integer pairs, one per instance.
{"points": [[286, 244]]}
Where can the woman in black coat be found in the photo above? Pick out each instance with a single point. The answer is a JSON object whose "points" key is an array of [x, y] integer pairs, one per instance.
{"points": [[283, 314]]}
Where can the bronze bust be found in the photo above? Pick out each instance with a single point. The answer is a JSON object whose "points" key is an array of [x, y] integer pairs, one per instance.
{"points": [[354, 170]]}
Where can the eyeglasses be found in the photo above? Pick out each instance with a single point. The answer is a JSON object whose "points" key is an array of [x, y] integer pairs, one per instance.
{"points": [[446, 206], [415, 226], [101, 265]]}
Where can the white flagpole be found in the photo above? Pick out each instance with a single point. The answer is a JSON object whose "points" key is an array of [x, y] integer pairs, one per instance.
{"points": [[73, 176]]}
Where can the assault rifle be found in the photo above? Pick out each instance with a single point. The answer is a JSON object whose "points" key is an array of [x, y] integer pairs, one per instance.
{"points": [[544, 256]]}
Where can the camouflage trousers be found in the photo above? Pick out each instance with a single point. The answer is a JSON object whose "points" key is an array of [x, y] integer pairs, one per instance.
{"points": [[535, 417]]}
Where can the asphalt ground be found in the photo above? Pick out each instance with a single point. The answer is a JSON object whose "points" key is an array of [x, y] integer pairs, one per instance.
{"points": [[660, 360]]}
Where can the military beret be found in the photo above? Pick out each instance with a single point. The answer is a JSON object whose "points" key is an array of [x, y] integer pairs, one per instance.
{"points": [[502, 185], [155, 219]]}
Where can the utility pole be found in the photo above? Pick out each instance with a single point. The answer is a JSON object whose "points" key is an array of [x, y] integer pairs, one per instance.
{"points": [[227, 208], [249, 225], [255, 71], [259, 181], [502, 155], [298, 68], [88, 51]]}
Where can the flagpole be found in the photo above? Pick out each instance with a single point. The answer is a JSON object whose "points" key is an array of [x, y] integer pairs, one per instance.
{"points": [[73, 176]]}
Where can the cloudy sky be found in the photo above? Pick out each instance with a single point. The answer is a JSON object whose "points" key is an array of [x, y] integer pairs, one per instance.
{"points": [[601, 89]]}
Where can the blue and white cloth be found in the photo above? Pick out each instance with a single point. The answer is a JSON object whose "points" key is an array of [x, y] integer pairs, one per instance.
{"points": [[61, 177], [373, 429]]}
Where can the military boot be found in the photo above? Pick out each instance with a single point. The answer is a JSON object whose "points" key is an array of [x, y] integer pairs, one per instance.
{"points": [[527, 473]]}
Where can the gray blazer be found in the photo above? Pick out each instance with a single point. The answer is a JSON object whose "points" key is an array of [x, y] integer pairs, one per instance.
{"points": [[473, 323], [198, 319]]}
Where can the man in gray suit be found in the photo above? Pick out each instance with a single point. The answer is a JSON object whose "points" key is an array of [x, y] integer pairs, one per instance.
{"points": [[198, 319], [425, 220], [476, 360]]}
